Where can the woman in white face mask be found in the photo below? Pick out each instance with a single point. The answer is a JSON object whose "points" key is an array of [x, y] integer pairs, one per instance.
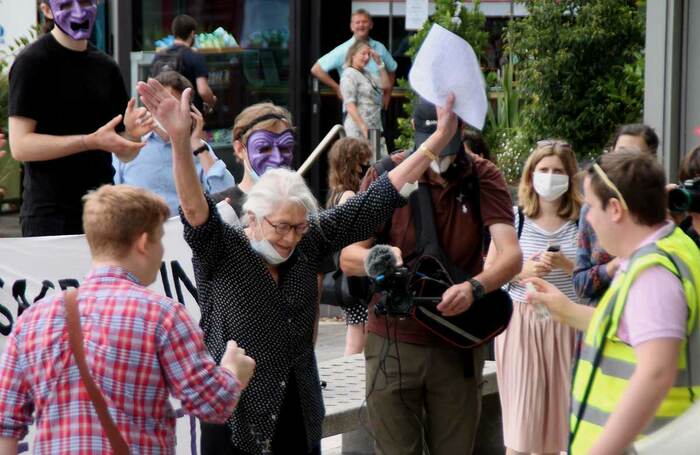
{"points": [[534, 355]]}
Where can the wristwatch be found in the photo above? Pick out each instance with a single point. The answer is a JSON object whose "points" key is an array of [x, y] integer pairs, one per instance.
{"points": [[478, 290], [200, 149]]}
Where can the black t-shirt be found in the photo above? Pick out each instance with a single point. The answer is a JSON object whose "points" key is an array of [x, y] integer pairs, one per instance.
{"points": [[193, 66], [66, 93]]}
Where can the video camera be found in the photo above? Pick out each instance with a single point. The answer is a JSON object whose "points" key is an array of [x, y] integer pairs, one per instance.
{"points": [[685, 198]]}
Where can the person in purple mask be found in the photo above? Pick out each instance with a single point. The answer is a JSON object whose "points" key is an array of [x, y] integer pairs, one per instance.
{"points": [[263, 139], [67, 109]]}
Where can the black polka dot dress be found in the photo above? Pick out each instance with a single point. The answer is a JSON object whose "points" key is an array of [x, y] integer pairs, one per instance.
{"points": [[274, 322]]}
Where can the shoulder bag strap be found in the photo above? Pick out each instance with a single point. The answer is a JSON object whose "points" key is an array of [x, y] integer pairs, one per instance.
{"points": [[75, 340]]}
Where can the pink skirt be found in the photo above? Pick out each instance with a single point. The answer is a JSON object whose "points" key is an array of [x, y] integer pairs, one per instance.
{"points": [[534, 366]]}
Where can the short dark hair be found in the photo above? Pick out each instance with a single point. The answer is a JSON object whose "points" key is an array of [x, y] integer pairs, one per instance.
{"points": [[639, 178], [690, 168], [641, 130], [174, 80], [183, 26]]}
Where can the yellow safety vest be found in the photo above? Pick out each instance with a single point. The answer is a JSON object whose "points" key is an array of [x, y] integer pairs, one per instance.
{"points": [[607, 363]]}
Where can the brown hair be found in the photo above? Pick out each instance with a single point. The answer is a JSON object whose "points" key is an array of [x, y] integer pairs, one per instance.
{"points": [[344, 157], [251, 113], [690, 168], [639, 178], [354, 49], [571, 201], [115, 216], [647, 133], [174, 80]]}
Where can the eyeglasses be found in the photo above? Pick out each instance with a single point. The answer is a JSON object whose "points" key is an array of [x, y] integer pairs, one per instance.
{"points": [[595, 168], [553, 143], [284, 228]]}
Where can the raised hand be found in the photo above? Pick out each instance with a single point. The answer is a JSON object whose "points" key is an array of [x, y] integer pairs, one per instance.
{"points": [[446, 119], [196, 136], [137, 121], [107, 139], [173, 115]]}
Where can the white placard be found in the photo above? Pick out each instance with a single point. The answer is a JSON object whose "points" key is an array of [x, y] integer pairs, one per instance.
{"points": [[416, 13], [446, 63]]}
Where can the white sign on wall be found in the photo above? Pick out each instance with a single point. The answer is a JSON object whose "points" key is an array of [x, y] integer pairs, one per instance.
{"points": [[416, 13], [17, 17]]}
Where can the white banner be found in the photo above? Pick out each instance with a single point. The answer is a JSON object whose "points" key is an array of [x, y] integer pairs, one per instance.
{"points": [[31, 268]]}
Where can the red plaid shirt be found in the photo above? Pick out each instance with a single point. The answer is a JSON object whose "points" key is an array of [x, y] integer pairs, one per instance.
{"points": [[140, 347]]}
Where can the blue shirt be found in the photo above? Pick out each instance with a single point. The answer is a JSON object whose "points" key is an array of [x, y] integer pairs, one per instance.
{"points": [[152, 169], [335, 59]]}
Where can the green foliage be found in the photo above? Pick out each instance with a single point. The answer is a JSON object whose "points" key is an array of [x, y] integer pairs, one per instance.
{"points": [[9, 168], [455, 16], [580, 69], [502, 131]]}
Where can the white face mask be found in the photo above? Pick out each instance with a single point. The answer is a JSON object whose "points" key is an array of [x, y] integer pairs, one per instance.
{"points": [[443, 163], [550, 186], [265, 249]]}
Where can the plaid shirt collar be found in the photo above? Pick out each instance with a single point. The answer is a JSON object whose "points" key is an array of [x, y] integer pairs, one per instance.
{"points": [[111, 272]]}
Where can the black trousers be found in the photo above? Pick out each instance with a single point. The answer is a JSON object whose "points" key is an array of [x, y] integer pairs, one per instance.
{"points": [[289, 437], [35, 226]]}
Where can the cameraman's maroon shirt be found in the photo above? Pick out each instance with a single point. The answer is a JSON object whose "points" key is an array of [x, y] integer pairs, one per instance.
{"points": [[460, 235]]}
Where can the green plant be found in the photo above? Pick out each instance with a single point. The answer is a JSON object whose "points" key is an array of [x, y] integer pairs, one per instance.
{"points": [[502, 131], [9, 168], [580, 69], [466, 22]]}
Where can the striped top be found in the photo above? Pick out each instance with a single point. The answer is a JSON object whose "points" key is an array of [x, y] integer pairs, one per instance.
{"points": [[535, 240]]}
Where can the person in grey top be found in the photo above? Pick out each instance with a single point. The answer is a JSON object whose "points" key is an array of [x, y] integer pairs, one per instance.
{"points": [[260, 281], [362, 90]]}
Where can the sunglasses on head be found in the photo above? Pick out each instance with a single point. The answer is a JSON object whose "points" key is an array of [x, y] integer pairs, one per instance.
{"points": [[596, 169], [553, 143]]}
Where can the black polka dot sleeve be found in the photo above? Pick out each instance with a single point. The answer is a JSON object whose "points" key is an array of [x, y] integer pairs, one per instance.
{"points": [[359, 217]]}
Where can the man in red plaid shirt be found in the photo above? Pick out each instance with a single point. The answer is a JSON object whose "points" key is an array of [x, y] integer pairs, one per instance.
{"points": [[140, 347]]}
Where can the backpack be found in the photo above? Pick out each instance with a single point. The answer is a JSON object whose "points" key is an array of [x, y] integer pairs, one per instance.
{"points": [[170, 59]]}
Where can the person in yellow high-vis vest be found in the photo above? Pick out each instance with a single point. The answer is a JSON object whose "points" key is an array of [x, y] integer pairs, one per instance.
{"points": [[640, 361]]}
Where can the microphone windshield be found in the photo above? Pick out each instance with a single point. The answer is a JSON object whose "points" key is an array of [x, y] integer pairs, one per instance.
{"points": [[380, 261]]}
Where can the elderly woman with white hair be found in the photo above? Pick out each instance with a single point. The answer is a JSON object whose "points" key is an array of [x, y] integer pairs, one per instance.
{"points": [[258, 284]]}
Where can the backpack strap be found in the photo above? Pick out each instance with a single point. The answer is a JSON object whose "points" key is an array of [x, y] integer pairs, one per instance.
{"points": [[75, 341], [386, 164], [521, 221]]}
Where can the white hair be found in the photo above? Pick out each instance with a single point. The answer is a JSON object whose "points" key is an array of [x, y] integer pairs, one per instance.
{"points": [[277, 187]]}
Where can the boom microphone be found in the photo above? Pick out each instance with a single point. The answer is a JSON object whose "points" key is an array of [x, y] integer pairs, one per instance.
{"points": [[380, 261]]}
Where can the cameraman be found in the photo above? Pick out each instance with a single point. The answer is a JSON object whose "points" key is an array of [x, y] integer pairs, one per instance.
{"points": [[638, 367], [690, 170], [425, 386]]}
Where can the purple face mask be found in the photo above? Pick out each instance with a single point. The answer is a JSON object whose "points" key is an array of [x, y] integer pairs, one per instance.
{"points": [[267, 150], [75, 18]]}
